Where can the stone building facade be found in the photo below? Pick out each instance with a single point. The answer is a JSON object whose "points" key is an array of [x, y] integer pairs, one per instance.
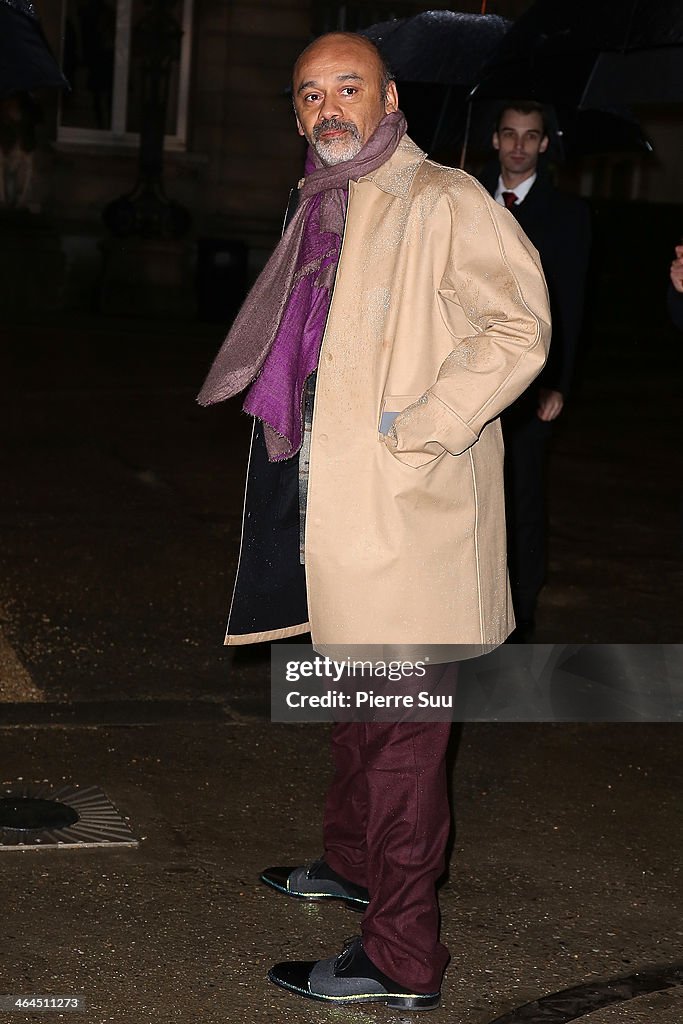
{"points": [[231, 152]]}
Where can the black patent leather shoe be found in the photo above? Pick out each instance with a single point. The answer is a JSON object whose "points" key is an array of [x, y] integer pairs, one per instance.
{"points": [[349, 978], [316, 881]]}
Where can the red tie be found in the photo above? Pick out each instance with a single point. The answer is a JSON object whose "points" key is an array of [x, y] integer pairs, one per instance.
{"points": [[509, 198]]}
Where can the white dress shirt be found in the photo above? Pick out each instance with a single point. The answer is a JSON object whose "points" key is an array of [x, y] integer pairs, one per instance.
{"points": [[520, 190]]}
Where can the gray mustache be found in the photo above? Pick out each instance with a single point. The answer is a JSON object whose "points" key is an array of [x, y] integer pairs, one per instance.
{"points": [[335, 125]]}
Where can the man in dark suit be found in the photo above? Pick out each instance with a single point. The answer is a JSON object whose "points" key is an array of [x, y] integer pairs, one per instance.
{"points": [[559, 226]]}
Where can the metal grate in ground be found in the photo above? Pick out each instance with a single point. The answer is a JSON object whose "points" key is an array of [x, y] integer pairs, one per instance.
{"points": [[39, 815]]}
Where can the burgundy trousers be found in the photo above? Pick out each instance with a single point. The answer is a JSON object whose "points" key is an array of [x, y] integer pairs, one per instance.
{"points": [[386, 825]]}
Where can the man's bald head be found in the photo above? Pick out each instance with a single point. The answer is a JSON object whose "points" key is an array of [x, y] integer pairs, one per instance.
{"points": [[336, 39], [341, 89]]}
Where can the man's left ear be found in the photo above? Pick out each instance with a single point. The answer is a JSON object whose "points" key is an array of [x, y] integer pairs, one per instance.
{"points": [[391, 102], [545, 142]]}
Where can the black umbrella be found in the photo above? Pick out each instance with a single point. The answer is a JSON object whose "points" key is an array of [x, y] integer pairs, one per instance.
{"points": [[619, 25], [445, 47], [645, 76], [591, 53], [431, 50], [26, 61]]}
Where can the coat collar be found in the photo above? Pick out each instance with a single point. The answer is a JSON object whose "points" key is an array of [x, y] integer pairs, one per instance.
{"points": [[396, 175]]}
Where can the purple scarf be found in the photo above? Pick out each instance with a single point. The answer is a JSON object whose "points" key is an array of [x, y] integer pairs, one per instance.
{"points": [[275, 339]]}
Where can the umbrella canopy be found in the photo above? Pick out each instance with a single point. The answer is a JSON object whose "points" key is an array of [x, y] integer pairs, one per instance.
{"points": [[23, 6], [618, 25], [432, 50], [642, 76], [26, 61], [591, 54], [444, 47]]}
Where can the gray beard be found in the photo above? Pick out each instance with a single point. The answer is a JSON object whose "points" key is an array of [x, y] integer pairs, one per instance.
{"points": [[336, 151]]}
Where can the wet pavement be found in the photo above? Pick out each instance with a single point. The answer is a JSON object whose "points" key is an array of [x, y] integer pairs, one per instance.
{"points": [[119, 521], [565, 871]]}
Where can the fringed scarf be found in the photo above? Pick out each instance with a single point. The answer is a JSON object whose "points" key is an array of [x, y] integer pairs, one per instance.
{"points": [[276, 337]]}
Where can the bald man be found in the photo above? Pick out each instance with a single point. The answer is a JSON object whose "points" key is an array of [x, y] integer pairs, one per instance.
{"points": [[401, 312]]}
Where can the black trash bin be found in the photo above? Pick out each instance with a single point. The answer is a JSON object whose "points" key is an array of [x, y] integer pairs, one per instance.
{"points": [[221, 278]]}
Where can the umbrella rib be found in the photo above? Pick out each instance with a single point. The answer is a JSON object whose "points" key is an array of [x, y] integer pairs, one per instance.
{"points": [[588, 83], [629, 24], [442, 116]]}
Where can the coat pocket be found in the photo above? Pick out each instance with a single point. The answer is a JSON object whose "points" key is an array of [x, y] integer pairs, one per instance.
{"points": [[392, 406]]}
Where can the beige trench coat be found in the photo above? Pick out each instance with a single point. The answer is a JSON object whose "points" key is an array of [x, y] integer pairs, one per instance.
{"points": [[439, 313]]}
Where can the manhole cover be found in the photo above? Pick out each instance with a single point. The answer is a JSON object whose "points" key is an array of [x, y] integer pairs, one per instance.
{"points": [[36, 815], [26, 813]]}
